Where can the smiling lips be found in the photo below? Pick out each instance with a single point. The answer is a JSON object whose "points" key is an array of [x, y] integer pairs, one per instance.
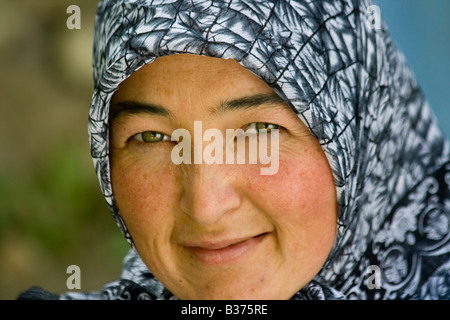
{"points": [[223, 252]]}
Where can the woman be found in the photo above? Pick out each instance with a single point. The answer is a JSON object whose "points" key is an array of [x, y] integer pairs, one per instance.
{"points": [[359, 205]]}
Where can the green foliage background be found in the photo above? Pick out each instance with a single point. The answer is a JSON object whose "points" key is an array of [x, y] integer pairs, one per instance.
{"points": [[52, 213]]}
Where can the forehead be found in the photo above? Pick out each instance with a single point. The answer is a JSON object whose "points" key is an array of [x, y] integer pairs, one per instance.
{"points": [[182, 79]]}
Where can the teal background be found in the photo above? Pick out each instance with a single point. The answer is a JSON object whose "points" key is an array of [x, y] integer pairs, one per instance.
{"points": [[421, 29]]}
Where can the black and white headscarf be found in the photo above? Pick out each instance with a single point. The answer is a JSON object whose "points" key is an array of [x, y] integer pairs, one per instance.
{"points": [[350, 85]]}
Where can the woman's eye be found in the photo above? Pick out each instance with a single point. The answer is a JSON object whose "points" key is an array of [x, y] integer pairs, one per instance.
{"points": [[151, 136], [259, 126]]}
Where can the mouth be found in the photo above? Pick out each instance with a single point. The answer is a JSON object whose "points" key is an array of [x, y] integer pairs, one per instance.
{"points": [[215, 253]]}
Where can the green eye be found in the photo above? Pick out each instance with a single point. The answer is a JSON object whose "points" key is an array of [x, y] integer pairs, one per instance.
{"points": [[259, 126], [151, 137]]}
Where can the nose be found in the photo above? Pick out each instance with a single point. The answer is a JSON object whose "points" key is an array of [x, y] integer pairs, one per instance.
{"points": [[209, 193]]}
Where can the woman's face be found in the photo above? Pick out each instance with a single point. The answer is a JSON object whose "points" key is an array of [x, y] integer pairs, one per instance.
{"points": [[218, 231]]}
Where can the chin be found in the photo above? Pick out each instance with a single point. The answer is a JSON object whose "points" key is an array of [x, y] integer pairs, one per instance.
{"points": [[237, 293]]}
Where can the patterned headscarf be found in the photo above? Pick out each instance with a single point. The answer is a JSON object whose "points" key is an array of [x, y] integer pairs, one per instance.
{"points": [[350, 85]]}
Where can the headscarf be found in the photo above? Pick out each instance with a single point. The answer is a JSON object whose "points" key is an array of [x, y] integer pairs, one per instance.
{"points": [[350, 85]]}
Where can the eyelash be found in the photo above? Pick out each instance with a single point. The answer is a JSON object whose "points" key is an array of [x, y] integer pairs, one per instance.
{"points": [[146, 135], [143, 136], [266, 124]]}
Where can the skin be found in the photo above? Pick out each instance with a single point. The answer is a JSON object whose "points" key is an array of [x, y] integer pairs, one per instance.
{"points": [[183, 218]]}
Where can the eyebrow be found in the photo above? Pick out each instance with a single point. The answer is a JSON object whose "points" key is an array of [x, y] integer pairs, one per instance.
{"points": [[134, 107], [248, 102]]}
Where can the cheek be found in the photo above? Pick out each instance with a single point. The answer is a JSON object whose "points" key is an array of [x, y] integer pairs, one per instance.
{"points": [[142, 193], [300, 183], [300, 200]]}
